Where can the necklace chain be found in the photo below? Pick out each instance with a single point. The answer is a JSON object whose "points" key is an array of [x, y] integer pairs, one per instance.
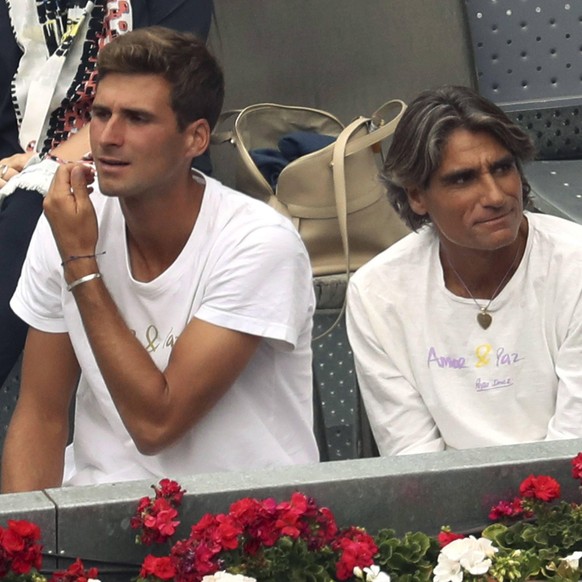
{"points": [[483, 310]]}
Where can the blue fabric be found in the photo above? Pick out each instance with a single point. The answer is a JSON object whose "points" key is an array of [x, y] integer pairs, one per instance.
{"points": [[293, 145], [19, 214], [270, 162], [299, 143]]}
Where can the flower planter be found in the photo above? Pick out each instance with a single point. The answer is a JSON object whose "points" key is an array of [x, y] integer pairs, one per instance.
{"points": [[414, 493]]}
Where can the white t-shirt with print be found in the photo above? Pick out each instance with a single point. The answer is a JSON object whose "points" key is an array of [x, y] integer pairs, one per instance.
{"points": [[432, 378], [244, 267]]}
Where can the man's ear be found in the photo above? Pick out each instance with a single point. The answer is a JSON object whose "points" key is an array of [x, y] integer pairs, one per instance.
{"points": [[197, 137], [416, 201]]}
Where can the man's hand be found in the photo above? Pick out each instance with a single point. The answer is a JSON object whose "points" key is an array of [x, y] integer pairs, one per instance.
{"points": [[12, 166], [70, 211]]}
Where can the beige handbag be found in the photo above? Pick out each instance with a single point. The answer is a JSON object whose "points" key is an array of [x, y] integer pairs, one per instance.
{"points": [[333, 195]]}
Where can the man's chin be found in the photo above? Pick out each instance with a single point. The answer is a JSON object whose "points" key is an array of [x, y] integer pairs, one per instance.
{"points": [[109, 190]]}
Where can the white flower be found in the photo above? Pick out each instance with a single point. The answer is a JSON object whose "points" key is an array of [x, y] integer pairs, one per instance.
{"points": [[447, 570], [475, 562], [374, 574], [573, 560], [486, 546], [227, 577], [371, 574], [469, 554], [458, 548], [93, 580]]}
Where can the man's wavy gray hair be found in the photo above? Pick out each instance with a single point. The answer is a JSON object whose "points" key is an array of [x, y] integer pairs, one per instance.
{"points": [[421, 135]]}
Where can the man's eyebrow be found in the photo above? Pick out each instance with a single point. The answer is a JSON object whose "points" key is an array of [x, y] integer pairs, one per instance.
{"points": [[503, 161], [455, 175], [469, 173], [125, 111]]}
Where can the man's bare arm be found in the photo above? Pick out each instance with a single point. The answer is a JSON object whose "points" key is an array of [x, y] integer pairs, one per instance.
{"points": [[33, 454], [157, 407]]}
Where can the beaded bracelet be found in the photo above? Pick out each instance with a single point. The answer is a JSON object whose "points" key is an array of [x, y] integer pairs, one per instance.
{"points": [[82, 280], [76, 257]]}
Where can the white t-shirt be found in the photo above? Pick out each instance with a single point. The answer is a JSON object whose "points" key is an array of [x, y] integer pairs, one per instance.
{"points": [[432, 379], [244, 268]]}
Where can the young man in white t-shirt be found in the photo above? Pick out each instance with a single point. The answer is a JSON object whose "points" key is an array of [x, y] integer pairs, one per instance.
{"points": [[468, 332], [184, 307]]}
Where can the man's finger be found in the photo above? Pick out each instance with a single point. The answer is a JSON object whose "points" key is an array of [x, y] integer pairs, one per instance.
{"points": [[80, 177], [61, 184]]}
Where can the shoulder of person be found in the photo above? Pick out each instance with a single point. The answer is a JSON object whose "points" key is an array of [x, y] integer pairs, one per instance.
{"points": [[240, 210], [558, 232], [399, 260]]}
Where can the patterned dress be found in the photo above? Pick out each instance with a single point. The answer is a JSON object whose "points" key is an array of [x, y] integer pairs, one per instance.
{"points": [[55, 83]]}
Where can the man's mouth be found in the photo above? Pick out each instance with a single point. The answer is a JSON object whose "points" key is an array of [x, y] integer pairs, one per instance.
{"points": [[492, 219], [109, 162]]}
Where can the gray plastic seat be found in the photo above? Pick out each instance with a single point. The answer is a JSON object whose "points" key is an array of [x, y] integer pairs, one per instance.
{"points": [[526, 59], [341, 423], [8, 398]]}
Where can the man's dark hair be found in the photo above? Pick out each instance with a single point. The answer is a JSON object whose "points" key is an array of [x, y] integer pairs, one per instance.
{"points": [[195, 77], [421, 135]]}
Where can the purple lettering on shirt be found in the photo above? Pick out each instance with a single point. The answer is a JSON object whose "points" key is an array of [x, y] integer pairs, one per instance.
{"points": [[444, 361]]}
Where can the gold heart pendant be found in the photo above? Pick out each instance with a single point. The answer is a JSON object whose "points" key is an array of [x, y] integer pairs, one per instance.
{"points": [[484, 319]]}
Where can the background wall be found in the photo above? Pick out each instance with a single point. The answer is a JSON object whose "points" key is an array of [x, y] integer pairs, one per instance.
{"points": [[344, 56]]}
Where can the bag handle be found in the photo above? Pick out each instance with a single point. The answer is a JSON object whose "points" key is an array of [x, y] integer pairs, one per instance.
{"points": [[345, 146], [380, 129]]}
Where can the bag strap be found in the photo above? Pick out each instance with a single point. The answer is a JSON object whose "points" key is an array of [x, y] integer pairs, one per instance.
{"points": [[341, 202], [345, 146]]}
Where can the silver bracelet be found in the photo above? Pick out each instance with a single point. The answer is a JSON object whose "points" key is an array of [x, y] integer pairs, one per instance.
{"points": [[84, 279]]}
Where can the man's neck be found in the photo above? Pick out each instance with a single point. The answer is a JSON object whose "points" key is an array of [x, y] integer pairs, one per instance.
{"points": [[482, 274], [158, 229]]}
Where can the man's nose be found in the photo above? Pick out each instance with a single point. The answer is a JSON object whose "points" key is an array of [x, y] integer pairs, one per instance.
{"points": [[492, 193], [112, 131]]}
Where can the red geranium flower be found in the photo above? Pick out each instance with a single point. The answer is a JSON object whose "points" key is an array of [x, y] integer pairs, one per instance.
{"points": [[446, 536], [24, 528], [75, 573], [155, 517], [170, 490], [20, 551], [506, 509], [577, 466], [227, 532], [543, 488], [12, 542], [160, 519], [257, 518], [357, 549], [162, 568]]}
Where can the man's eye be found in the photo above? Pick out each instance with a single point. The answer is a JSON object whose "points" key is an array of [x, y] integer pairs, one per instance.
{"points": [[98, 114], [136, 118], [504, 168], [461, 179]]}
